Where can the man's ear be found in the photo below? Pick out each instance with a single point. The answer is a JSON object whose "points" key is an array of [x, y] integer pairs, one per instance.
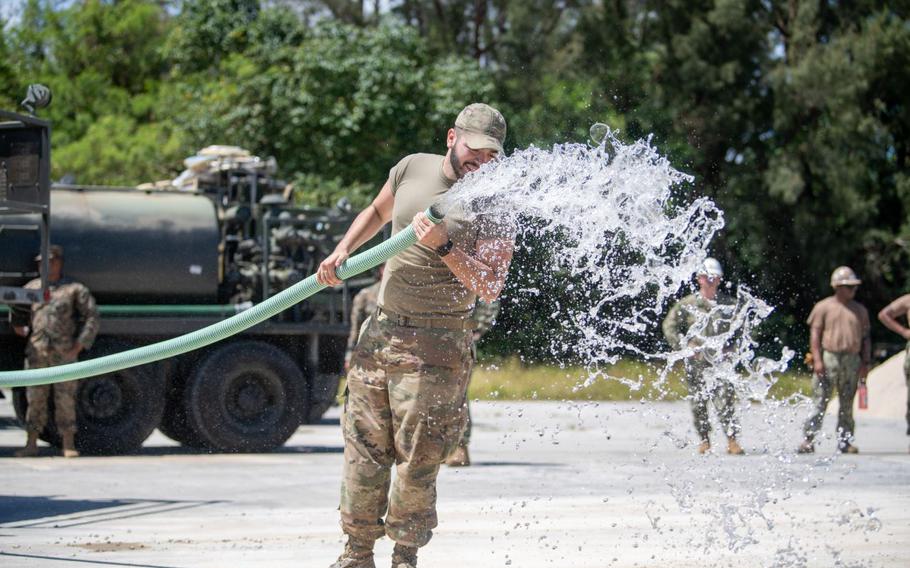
{"points": [[451, 136]]}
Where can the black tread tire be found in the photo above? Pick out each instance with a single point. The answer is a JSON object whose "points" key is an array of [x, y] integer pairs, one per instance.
{"points": [[174, 423], [115, 412], [245, 396]]}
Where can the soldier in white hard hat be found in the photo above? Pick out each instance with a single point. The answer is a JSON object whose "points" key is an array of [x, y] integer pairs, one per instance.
{"points": [[692, 320], [841, 353]]}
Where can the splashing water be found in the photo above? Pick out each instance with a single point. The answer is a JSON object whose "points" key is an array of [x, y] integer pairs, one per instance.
{"points": [[624, 240]]}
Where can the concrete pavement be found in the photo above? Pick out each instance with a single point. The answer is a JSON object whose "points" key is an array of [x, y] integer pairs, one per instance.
{"points": [[554, 484]]}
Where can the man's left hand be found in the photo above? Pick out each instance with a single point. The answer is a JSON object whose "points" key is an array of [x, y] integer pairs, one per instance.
{"points": [[429, 233], [73, 353]]}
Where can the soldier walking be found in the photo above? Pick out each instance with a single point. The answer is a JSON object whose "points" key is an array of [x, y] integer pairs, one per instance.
{"points": [[841, 352], [407, 385], [57, 332], [484, 316], [900, 308], [690, 322]]}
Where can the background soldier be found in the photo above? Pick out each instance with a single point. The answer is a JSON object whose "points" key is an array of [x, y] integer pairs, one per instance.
{"points": [[690, 321], [485, 316], [841, 352], [407, 387], [57, 332], [362, 307], [888, 316]]}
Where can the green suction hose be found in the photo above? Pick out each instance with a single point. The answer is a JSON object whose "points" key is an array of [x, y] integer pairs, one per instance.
{"points": [[215, 332]]}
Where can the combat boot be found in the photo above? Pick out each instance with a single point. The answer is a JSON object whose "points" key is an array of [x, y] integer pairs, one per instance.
{"points": [[733, 447], [31, 447], [69, 446], [806, 448], [704, 447], [847, 448], [357, 554], [459, 457], [404, 556]]}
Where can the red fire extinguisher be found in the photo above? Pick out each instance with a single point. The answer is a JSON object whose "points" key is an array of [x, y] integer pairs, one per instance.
{"points": [[863, 393]]}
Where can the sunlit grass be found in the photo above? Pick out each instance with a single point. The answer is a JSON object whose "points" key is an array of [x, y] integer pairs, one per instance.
{"points": [[630, 380]]}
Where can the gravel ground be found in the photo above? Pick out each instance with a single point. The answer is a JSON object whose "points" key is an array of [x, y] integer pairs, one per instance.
{"points": [[553, 484]]}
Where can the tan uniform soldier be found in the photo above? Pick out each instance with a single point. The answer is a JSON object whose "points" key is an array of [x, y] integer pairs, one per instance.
{"points": [[407, 386], [57, 332], [900, 308], [841, 352]]}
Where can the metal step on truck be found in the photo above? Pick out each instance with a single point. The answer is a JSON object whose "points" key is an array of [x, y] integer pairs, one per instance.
{"points": [[166, 259]]}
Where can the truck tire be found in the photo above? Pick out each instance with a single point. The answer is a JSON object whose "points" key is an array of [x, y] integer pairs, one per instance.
{"points": [[115, 412], [245, 396], [174, 423]]}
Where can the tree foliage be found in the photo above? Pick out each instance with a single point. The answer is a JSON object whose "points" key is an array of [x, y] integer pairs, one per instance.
{"points": [[792, 115]]}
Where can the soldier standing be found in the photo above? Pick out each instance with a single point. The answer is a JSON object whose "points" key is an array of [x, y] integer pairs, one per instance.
{"points": [[888, 316], [484, 315], [689, 323], [407, 386], [57, 332], [363, 306], [841, 352]]}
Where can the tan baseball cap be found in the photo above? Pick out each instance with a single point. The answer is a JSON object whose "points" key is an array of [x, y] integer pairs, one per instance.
{"points": [[53, 251], [482, 126]]}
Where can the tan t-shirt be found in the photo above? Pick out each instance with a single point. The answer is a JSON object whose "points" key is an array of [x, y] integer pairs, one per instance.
{"points": [[843, 327], [416, 282]]}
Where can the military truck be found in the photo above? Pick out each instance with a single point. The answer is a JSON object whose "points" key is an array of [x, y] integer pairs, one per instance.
{"points": [[164, 262]]}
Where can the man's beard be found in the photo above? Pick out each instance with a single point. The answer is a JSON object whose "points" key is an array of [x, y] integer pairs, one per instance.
{"points": [[458, 165]]}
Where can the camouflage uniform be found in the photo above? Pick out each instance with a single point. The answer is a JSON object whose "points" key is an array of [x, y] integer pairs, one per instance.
{"points": [[405, 406], [363, 306], [841, 372], [692, 319], [69, 316], [485, 316]]}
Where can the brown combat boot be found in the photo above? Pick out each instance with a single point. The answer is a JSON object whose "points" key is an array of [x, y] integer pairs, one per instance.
{"points": [[847, 448], [704, 447], [807, 447], [31, 447], [69, 446], [357, 554], [459, 457], [404, 556], [733, 448]]}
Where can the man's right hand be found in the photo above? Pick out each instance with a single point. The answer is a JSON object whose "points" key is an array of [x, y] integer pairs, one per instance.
{"points": [[818, 367], [21, 330], [325, 274]]}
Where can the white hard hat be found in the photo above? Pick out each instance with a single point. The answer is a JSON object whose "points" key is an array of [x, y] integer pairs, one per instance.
{"points": [[710, 267], [844, 276]]}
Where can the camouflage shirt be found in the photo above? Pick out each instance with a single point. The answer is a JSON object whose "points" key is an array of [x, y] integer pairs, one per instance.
{"points": [[697, 317], [364, 304], [70, 316]]}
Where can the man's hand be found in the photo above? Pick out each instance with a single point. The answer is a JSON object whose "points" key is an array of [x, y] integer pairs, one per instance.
{"points": [[818, 367], [905, 333], [429, 233], [21, 330], [73, 353], [325, 274]]}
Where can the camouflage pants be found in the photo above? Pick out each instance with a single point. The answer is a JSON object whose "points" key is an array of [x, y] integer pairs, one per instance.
{"points": [[405, 406], [721, 393], [36, 416], [842, 373]]}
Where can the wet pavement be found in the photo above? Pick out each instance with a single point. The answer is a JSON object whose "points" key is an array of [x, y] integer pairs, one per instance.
{"points": [[553, 484]]}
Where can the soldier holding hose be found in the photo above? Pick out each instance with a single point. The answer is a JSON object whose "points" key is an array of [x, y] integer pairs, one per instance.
{"points": [[406, 400]]}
